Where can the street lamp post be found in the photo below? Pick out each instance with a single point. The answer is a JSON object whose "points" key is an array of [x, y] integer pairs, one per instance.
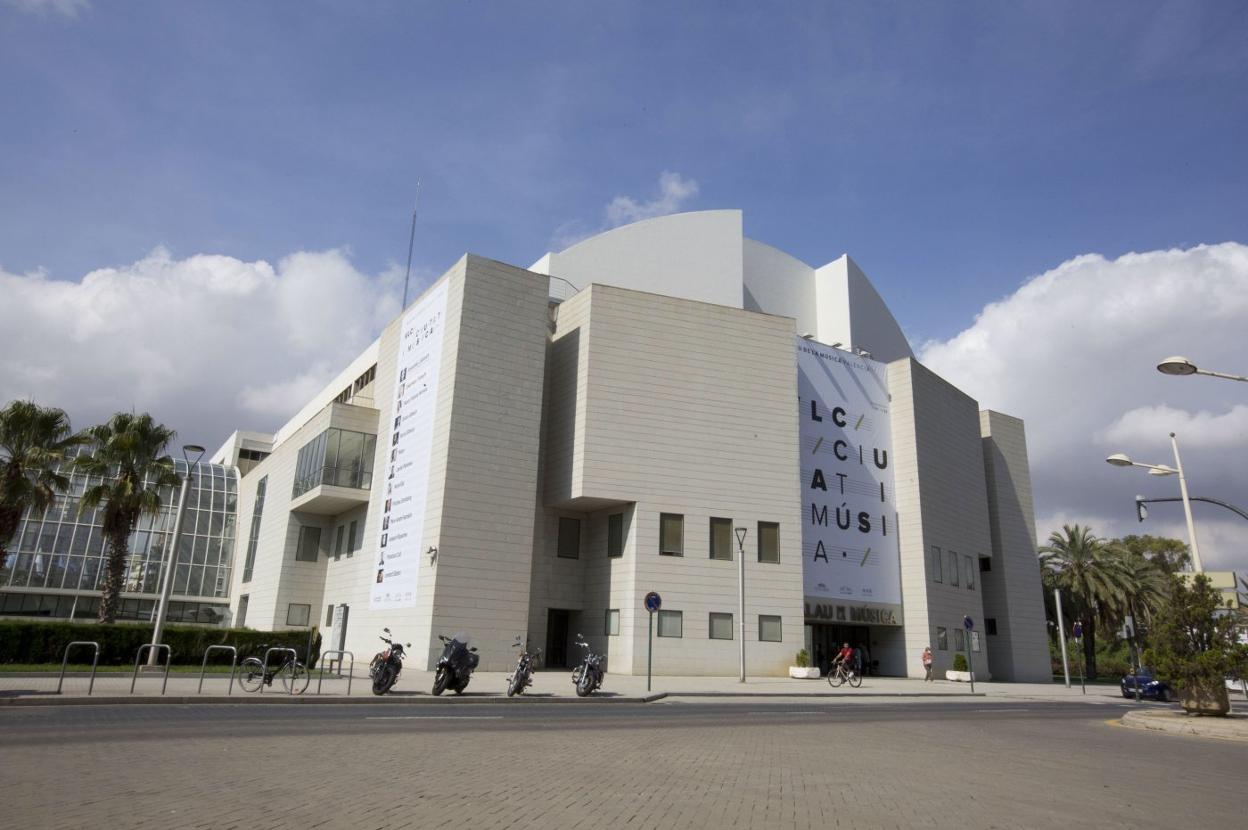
{"points": [[741, 531], [1180, 366], [171, 560], [1122, 460]]}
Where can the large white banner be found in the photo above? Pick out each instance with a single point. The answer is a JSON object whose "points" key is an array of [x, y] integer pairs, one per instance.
{"points": [[409, 438], [849, 533]]}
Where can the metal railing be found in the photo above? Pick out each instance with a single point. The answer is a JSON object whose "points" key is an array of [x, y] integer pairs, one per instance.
{"points": [[138, 657], [204, 668], [95, 661], [294, 658], [350, 671]]}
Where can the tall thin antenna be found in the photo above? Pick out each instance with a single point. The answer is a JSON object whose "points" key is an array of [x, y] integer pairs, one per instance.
{"points": [[411, 241]]}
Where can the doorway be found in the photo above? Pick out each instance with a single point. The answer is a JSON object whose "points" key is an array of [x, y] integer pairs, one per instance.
{"points": [[826, 641], [557, 620]]}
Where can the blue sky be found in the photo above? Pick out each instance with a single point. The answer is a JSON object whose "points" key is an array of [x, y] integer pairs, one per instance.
{"points": [[952, 149], [237, 179]]}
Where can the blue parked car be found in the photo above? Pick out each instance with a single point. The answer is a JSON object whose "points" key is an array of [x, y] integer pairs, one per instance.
{"points": [[1150, 687]]}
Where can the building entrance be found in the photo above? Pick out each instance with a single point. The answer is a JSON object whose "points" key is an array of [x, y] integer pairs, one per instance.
{"points": [[824, 641], [557, 638]]}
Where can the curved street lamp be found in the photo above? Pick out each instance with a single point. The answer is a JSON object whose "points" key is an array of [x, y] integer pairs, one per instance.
{"points": [[1179, 366], [1119, 459]]}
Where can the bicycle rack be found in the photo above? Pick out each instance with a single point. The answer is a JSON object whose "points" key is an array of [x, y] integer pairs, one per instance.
{"points": [[294, 657], [138, 657], [350, 671], [94, 662], [233, 665]]}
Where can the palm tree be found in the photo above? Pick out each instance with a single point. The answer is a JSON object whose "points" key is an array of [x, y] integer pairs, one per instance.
{"points": [[129, 458], [1091, 573], [33, 441]]}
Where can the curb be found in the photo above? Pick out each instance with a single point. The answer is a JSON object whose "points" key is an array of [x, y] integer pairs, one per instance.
{"points": [[1231, 728], [280, 699], [826, 695]]}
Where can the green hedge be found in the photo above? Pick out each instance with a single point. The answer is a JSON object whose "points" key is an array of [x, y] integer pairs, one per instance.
{"points": [[30, 641]]}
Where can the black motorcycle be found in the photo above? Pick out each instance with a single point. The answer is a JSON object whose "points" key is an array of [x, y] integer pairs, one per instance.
{"points": [[522, 677], [386, 665], [589, 674], [455, 666]]}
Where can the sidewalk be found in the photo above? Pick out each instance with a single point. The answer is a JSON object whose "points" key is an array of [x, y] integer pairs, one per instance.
{"points": [[491, 686]]}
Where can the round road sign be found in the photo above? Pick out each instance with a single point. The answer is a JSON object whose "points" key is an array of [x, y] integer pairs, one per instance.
{"points": [[653, 602], [968, 623]]}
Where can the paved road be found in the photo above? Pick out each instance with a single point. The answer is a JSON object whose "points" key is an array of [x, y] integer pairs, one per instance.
{"points": [[711, 764]]}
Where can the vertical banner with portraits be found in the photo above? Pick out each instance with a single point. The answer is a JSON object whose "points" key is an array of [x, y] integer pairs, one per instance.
{"points": [[408, 440], [850, 555]]}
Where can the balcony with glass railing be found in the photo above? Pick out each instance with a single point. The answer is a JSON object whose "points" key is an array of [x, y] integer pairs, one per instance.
{"points": [[334, 472]]}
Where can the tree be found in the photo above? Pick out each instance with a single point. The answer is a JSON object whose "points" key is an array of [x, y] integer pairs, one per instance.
{"points": [[1194, 643], [1170, 555], [33, 441], [128, 456], [1082, 566]]}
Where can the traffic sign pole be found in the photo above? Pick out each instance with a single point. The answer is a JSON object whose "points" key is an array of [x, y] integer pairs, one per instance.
{"points": [[653, 602], [969, 625], [1083, 656]]}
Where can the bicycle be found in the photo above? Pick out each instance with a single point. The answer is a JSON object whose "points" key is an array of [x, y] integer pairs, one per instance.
{"points": [[843, 673], [295, 676]]}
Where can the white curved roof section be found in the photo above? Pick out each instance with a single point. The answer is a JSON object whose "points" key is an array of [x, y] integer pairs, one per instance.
{"points": [[705, 256]]}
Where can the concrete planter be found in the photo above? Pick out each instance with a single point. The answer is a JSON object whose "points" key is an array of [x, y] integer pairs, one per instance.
{"points": [[960, 676], [1208, 698], [804, 673]]}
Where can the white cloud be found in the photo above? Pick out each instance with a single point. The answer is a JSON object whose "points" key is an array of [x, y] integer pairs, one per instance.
{"points": [[1073, 352], [65, 8], [207, 344], [674, 191]]}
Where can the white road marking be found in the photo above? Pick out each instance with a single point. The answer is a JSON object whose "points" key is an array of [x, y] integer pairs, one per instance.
{"points": [[434, 717], [772, 712]]}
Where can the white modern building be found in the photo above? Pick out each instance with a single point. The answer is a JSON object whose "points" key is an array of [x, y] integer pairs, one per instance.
{"points": [[531, 451]]}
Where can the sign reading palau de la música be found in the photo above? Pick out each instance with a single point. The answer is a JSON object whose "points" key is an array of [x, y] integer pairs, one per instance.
{"points": [[408, 439], [851, 567]]}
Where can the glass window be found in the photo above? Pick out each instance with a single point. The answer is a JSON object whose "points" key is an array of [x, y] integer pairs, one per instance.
{"points": [[936, 565], [768, 542], [953, 568], [985, 564], [569, 543], [969, 571], [769, 629], [942, 638], [613, 622], [959, 639], [353, 538], [309, 544], [721, 538], [329, 616], [342, 529], [721, 626], [615, 534], [297, 614], [254, 536], [671, 624], [671, 534], [990, 626], [975, 641]]}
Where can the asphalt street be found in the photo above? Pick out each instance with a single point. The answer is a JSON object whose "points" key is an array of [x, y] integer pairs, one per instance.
{"points": [[711, 763]]}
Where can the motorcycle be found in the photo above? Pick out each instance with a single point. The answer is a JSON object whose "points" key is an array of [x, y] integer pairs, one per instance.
{"points": [[522, 677], [589, 674], [455, 666], [386, 664]]}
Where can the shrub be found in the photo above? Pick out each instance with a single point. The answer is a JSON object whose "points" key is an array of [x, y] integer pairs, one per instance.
{"points": [[801, 659], [959, 662], [31, 641], [1194, 641]]}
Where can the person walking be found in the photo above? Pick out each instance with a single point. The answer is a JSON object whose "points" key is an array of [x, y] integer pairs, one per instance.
{"points": [[927, 664]]}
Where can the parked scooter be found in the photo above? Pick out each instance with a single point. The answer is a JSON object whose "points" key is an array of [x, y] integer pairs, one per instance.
{"points": [[522, 677], [589, 674], [386, 665], [455, 666]]}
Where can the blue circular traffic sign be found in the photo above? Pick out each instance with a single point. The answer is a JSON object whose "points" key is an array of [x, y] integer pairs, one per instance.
{"points": [[968, 623], [653, 602], [1078, 630]]}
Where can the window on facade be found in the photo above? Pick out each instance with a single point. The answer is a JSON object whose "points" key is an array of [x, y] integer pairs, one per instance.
{"points": [[959, 639], [969, 571], [671, 534], [337, 457], [297, 614], [985, 564], [769, 629], [253, 538], [242, 611], [353, 538], [329, 616], [768, 542], [338, 540], [613, 622], [671, 624], [721, 626], [721, 538], [990, 626], [942, 638], [309, 544], [615, 535], [953, 568], [569, 544], [937, 565]]}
